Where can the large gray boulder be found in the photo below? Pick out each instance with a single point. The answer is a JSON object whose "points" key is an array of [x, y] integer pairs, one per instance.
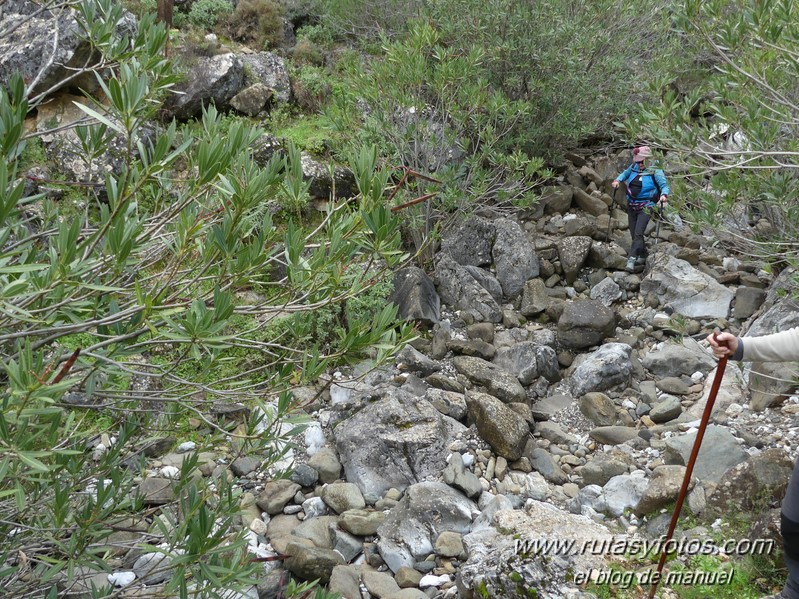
{"points": [[497, 381], [556, 199], [503, 562], [270, 71], [252, 100], [687, 290], [663, 488], [624, 492], [56, 121], [514, 258], [324, 185], [601, 370], [459, 289], [593, 205], [409, 531], [573, 253], [312, 563], [47, 46], [395, 441], [534, 298], [528, 360], [211, 80], [675, 359], [606, 292], [754, 483], [584, 323], [719, 452], [487, 281], [504, 429], [471, 243]]}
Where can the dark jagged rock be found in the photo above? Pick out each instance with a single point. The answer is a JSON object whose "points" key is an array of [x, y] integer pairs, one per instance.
{"points": [[416, 296]]}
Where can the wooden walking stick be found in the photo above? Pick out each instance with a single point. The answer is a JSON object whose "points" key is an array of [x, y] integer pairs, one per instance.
{"points": [[714, 389]]}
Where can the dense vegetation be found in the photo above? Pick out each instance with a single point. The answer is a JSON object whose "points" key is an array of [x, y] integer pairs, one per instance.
{"points": [[171, 292], [178, 275], [733, 133]]}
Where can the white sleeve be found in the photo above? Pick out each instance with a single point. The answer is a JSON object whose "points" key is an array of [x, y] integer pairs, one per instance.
{"points": [[777, 347]]}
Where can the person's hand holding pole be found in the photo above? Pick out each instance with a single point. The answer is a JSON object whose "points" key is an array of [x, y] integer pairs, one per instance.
{"points": [[723, 345], [615, 184], [663, 200]]}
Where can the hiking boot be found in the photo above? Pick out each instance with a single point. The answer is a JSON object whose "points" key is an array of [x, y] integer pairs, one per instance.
{"points": [[630, 267], [640, 260]]}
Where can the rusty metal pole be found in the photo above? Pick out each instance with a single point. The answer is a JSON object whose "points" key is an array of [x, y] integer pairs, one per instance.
{"points": [[714, 389]]}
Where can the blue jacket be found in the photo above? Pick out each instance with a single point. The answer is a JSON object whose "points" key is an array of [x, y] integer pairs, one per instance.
{"points": [[649, 193]]}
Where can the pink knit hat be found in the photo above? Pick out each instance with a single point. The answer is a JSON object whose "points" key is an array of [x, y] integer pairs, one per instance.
{"points": [[641, 153]]}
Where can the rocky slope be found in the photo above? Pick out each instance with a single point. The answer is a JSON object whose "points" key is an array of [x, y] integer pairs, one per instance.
{"points": [[552, 397]]}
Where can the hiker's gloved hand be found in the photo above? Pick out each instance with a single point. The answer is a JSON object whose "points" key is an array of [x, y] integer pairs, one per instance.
{"points": [[615, 184], [663, 200]]}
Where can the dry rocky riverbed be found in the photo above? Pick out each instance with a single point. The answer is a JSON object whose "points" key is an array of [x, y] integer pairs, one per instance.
{"points": [[553, 394]]}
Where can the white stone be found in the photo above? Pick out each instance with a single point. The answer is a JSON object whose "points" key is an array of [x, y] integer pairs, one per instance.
{"points": [[258, 526], [430, 580], [170, 472], [730, 264], [339, 394], [187, 446], [314, 438], [734, 409], [121, 579], [314, 507]]}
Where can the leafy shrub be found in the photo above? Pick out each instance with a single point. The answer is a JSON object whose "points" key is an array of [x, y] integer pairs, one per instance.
{"points": [[369, 19], [259, 22], [318, 33], [306, 52], [311, 88], [364, 307], [429, 108], [205, 14], [576, 65]]}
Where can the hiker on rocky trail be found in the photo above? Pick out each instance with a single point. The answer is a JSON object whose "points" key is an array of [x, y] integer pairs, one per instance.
{"points": [[647, 188], [777, 347]]}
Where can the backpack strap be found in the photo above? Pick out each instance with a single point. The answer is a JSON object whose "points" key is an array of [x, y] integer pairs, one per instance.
{"points": [[654, 180], [657, 185]]}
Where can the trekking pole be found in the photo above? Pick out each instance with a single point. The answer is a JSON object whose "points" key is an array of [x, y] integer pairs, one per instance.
{"points": [[657, 239], [610, 213], [657, 227], [689, 468]]}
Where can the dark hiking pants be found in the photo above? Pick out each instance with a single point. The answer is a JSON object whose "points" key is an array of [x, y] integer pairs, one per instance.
{"points": [[637, 222], [790, 534]]}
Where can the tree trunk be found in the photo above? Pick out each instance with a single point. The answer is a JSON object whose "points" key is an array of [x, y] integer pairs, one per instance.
{"points": [[165, 12]]}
